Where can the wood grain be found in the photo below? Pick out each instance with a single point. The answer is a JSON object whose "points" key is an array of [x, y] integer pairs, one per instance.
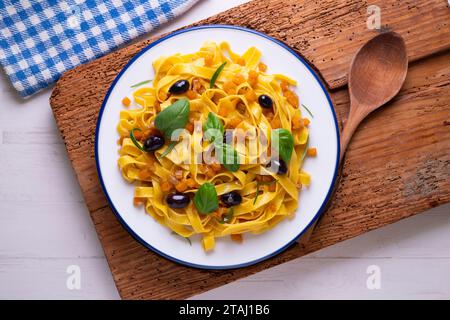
{"points": [[328, 32], [397, 165], [376, 75]]}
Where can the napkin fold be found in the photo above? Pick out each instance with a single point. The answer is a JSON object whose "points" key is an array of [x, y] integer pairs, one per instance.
{"points": [[40, 40]]}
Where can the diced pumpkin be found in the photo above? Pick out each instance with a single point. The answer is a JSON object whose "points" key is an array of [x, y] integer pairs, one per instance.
{"points": [[197, 86], [144, 174], [126, 101], [234, 122], [237, 238], [203, 168], [253, 78], [241, 61], [191, 183], [292, 98], [284, 86], [162, 96], [262, 67], [216, 166], [138, 201], [165, 186], [306, 122], [311, 152], [275, 123], [191, 94], [209, 60], [181, 186], [250, 95], [297, 121], [220, 212], [224, 110], [138, 134]]}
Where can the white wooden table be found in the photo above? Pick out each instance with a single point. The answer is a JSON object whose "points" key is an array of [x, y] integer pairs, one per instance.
{"points": [[45, 227]]}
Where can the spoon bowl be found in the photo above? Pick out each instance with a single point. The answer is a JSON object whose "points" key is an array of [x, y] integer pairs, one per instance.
{"points": [[376, 75]]}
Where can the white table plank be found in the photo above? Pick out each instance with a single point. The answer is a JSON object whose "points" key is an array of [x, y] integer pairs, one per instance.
{"points": [[47, 230], [340, 278], [45, 226], [413, 256], [419, 236], [41, 278]]}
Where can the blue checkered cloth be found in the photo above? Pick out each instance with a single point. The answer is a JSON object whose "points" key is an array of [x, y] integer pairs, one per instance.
{"points": [[39, 40]]}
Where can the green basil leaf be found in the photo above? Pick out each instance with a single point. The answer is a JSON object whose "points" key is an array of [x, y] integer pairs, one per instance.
{"points": [[213, 127], [213, 80], [283, 142], [205, 199], [173, 117], [228, 157]]}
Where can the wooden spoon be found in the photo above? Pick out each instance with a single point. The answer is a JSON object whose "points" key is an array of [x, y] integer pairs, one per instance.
{"points": [[376, 75], [377, 72]]}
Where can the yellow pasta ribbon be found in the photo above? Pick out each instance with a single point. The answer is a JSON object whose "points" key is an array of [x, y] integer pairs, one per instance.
{"points": [[230, 100]]}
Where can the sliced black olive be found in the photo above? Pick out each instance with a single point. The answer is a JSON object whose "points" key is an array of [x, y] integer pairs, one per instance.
{"points": [[177, 200], [179, 87], [265, 101], [232, 198], [153, 143], [278, 165]]}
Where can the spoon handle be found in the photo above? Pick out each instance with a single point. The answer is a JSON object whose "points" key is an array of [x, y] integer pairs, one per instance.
{"points": [[356, 115]]}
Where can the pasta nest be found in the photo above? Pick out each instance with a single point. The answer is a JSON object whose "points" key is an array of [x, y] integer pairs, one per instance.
{"points": [[267, 197]]}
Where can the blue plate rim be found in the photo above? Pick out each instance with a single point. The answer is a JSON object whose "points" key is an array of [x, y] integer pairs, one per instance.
{"points": [[130, 230]]}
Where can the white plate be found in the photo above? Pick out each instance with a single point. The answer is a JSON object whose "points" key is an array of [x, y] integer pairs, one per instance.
{"points": [[227, 254]]}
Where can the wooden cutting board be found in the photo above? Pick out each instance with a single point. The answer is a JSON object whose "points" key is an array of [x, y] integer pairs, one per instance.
{"points": [[397, 165]]}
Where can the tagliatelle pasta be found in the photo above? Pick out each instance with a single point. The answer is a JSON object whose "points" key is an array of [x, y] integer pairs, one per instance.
{"points": [[242, 99]]}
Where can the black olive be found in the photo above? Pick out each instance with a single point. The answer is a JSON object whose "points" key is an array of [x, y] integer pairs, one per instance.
{"points": [[279, 165], [153, 143], [177, 200], [228, 137], [265, 101], [231, 198], [179, 87]]}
